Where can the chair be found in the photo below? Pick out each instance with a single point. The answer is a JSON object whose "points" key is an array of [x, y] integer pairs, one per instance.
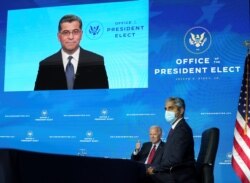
{"points": [[207, 155]]}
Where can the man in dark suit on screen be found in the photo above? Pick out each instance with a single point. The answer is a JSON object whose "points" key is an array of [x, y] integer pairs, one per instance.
{"points": [[178, 163], [142, 153], [72, 67]]}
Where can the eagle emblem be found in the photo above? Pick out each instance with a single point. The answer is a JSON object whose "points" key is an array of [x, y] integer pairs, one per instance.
{"points": [[94, 30], [197, 40]]}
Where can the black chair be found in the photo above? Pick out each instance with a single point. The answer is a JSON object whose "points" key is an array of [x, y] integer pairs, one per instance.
{"points": [[207, 155]]}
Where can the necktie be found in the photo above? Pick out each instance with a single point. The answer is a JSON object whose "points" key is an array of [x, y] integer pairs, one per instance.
{"points": [[170, 133], [151, 155], [70, 75]]}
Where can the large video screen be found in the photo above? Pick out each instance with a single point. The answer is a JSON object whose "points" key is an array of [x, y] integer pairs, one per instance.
{"points": [[121, 38], [151, 50]]}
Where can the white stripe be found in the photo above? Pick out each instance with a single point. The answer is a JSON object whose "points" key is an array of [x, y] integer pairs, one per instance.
{"points": [[243, 145], [241, 164], [242, 123], [238, 137], [241, 142]]}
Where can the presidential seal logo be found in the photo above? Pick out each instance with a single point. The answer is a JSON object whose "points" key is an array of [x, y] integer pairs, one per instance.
{"points": [[30, 134], [229, 155], [197, 40], [94, 30], [104, 115], [104, 112], [44, 113], [89, 134]]}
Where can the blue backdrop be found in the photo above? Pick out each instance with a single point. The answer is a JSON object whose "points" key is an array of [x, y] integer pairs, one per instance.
{"points": [[153, 49]]}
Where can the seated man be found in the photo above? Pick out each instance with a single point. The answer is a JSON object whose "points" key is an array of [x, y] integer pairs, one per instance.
{"points": [[178, 163], [150, 152]]}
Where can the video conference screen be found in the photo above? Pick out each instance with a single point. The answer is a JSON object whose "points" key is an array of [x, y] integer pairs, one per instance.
{"points": [[118, 31], [151, 50]]}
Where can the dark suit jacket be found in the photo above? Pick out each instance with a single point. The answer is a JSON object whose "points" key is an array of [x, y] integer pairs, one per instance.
{"points": [[179, 155], [145, 149], [90, 73]]}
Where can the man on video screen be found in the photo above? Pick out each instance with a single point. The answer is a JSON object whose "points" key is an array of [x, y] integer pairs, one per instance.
{"points": [[72, 67]]}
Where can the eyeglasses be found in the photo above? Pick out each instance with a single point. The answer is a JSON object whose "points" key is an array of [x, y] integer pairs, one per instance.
{"points": [[74, 32]]}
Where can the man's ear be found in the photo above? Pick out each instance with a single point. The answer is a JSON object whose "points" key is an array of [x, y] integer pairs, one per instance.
{"points": [[58, 36], [181, 111]]}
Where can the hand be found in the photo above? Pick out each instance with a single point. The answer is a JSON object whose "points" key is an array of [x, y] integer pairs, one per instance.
{"points": [[138, 145], [150, 171]]}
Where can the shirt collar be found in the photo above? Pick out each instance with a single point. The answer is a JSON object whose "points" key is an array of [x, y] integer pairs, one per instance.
{"points": [[74, 61], [177, 121], [75, 55], [157, 144]]}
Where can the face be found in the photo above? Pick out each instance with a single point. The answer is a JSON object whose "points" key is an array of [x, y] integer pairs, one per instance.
{"points": [[154, 135], [170, 106], [70, 36]]}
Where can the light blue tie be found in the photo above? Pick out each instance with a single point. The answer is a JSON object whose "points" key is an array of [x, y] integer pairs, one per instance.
{"points": [[70, 75]]}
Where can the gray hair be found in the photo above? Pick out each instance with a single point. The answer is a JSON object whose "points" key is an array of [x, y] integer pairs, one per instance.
{"points": [[179, 102], [156, 127]]}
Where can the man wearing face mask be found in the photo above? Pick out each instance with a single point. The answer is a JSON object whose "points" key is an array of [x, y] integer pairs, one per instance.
{"points": [[178, 163]]}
